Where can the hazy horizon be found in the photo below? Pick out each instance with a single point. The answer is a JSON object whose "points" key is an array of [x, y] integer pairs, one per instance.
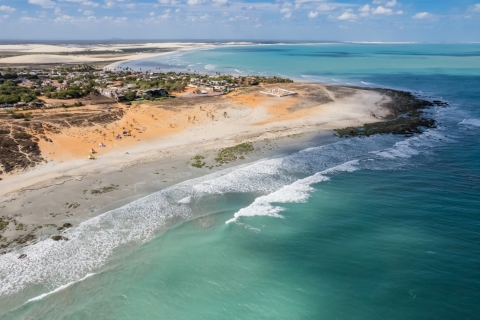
{"points": [[315, 20]]}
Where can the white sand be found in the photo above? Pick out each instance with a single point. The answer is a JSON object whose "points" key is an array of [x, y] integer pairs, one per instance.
{"points": [[39, 53]]}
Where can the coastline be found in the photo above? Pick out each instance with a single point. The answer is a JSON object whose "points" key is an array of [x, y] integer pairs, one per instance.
{"points": [[38, 202], [38, 55]]}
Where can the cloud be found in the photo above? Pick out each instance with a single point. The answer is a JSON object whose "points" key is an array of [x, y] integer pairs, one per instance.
{"points": [[90, 3], [382, 10], [109, 4], [7, 9], [391, 3], [88, 12], [83, 2], [220, 2], [28, 19], [422, 15], [399, 12], [347, 15], [130, 5], [313, 14], [43, 3], [326, 7], [365, 8], [194, 2], [475, 8]]}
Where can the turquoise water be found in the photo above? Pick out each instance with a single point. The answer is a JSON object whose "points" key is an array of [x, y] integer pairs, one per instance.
{"points": [[386, 227]]}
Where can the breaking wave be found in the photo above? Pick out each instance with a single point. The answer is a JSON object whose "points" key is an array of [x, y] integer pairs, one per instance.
{"points": [[56, 264]]}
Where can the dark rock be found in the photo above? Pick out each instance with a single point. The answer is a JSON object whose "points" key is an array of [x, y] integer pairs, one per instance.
{"points": [[24, 239], [67, 225], [58, 238], [22, 256]]}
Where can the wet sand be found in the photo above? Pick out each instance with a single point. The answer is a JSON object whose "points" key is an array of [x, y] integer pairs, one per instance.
{"points": [[165, 136]]}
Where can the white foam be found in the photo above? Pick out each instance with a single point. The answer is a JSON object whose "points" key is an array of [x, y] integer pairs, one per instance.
{"points": [[471, 122], [91, 243], [40, 297], [297, 192], [210, 67]]}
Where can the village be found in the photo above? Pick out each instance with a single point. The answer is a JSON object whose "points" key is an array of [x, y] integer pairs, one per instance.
{"points": [[28, 89]]}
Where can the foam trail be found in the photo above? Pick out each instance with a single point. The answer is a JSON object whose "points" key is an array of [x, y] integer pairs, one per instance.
{"points": [[299, 191], [40, 297], [471, 122], [92, 242]]}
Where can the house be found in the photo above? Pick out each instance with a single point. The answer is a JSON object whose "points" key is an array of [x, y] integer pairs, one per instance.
{"points": [[154, 93]]}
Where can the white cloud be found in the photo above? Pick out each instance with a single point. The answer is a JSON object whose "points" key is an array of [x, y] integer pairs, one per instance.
{"points": [[90, 3], [130, 5], [220, 2], [313, 14], [326, 7], [63, 18], [365, 8], [83, 2], [422, 15], [7, 9], [152, 14], [475, 7], [382, 10], [28, 19], [43, 3], [399, 12], [391, 3], [177, 10], [109, 4], [88, 12], [347, 15], [378, 1], [195, 2]]}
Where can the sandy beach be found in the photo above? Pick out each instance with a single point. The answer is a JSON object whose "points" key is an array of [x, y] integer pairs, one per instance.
{"points": [[65, 187], [111, 55]]}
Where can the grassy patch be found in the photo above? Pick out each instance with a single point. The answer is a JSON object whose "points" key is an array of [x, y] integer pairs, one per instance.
{"points": [[198, 162], [3, 224], [230, 154], [106, 189], [74, 205]]}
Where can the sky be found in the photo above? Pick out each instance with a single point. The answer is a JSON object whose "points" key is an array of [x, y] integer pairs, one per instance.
{"points": [[301, 20]]}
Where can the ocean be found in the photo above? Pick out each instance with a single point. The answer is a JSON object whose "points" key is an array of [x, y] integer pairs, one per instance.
{"points": [[385, 227]]}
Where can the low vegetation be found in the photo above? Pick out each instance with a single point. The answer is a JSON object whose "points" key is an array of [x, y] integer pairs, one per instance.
{"points": [[106, 189], [230, 154], [3, 224], [198, 162]]}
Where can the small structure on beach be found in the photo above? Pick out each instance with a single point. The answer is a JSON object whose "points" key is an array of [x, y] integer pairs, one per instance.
{"points": [[154, 93], [278, 92]]}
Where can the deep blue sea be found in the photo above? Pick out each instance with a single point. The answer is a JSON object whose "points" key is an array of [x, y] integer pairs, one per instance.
{"points": [[385, 227]]}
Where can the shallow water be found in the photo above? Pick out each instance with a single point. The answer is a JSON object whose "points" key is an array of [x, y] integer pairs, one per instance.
{"points": [[372, 228]]}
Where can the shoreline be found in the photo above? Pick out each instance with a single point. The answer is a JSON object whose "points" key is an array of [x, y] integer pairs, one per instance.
{"points": [[37, 202]]}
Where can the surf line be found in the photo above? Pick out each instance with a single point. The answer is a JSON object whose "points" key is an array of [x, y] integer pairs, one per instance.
{"points": [[40, 297]]}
